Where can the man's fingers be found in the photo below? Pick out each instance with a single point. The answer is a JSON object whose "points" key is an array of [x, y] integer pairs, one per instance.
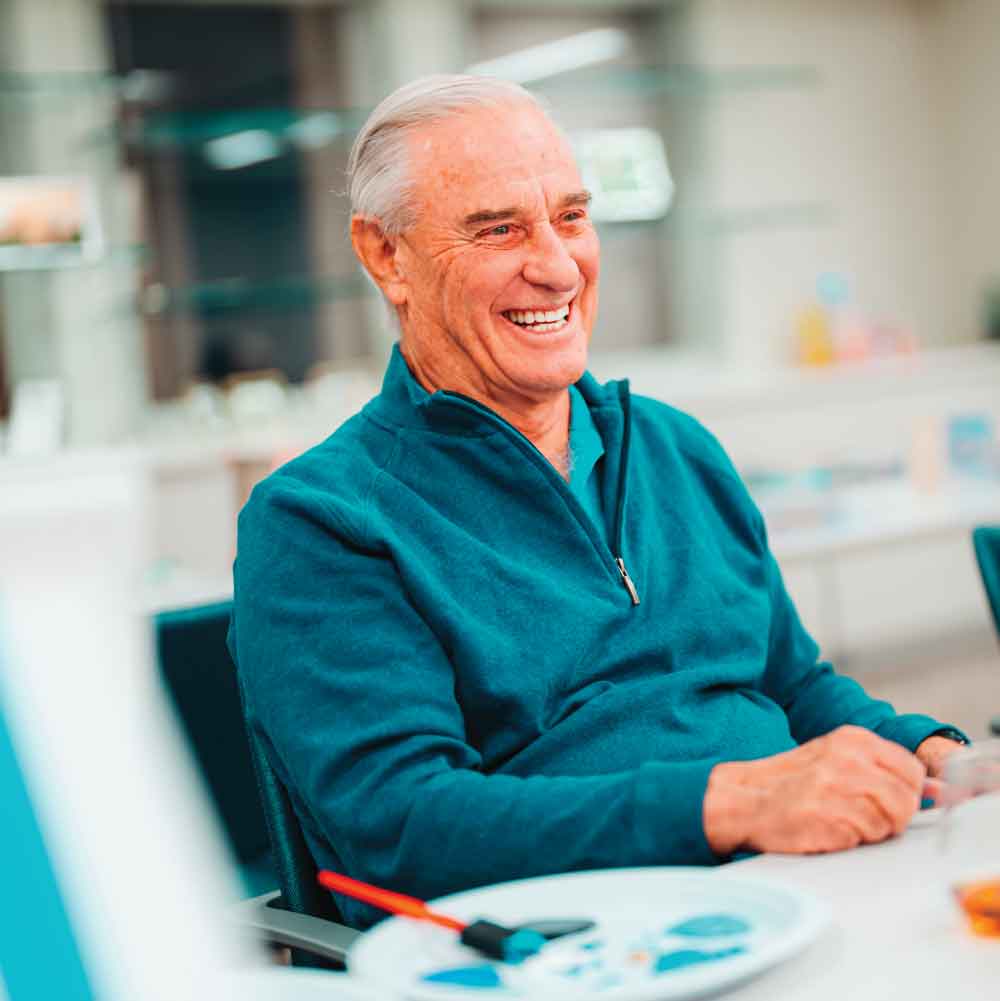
{"points": [[944, 794], [899, 800], [887, 754], [901, 763], [883, 801], [934, 789]]}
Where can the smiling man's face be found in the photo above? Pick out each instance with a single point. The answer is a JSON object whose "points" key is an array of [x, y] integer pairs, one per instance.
{"points": [[498, 290]]}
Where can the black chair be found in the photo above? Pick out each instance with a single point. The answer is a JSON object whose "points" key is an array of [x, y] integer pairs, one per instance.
{"points": [[254, 807], [200, 680], [986, 543]]}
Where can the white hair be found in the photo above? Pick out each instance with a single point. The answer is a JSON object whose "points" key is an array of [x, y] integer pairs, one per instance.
{"points": [[378, 168]]}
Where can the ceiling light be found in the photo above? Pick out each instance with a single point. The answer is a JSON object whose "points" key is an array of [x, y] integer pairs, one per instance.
{"points": [[539, 62], [242, 149]]}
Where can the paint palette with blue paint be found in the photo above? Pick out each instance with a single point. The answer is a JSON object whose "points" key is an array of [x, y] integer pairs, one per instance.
{"points": [[625, 955], [661, 934], [620, 955]]}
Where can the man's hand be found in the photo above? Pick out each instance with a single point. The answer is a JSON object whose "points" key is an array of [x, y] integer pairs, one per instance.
{"points": [[934, 751], [847, 788]]}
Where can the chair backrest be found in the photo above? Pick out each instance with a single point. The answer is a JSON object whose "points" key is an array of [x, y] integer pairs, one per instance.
{"points": [[201, 681], [207, 690], [294, 864], [986, 542]]}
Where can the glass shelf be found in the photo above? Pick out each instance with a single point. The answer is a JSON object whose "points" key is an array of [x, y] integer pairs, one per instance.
{"points": [[58, 85], [725, 223], [682, 79], [18, 260], [235, 295], [317, 127], [309, 129]]}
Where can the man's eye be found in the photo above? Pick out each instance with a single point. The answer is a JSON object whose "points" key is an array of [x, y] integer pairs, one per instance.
{"points": [[502, 230], [575, 216]]}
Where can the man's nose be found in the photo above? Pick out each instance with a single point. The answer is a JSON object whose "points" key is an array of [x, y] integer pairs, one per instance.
{"points": [[550, 262]]}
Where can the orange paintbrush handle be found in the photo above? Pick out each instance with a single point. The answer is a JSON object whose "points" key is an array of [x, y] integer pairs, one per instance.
{"points": [[386, 900]]}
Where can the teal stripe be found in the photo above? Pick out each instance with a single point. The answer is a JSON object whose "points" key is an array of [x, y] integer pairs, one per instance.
{"points": [[39, 956]]}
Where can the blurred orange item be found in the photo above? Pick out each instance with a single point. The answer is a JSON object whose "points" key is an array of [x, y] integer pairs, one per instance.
{"points": [[981, 903], [815, 344]]}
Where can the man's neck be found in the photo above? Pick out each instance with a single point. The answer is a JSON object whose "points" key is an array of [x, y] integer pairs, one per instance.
{"points": [[543, 421]]}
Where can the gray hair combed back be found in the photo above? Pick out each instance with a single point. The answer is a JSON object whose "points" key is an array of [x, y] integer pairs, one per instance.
{"points": [[377, 171]]}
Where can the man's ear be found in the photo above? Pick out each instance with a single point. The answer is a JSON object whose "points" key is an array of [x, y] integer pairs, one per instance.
{"points": [[377, 252]]}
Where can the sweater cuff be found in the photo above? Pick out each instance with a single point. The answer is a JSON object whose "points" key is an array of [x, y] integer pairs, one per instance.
{"points": [[911, 730], [669, 823]]}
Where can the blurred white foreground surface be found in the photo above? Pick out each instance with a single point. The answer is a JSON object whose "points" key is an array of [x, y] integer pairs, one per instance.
{"points": [[135, 848]]}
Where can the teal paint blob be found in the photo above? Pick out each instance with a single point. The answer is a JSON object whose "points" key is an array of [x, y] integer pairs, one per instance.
{"points": [[483, 977], [682, 958], [710, 926], [522, 944]]}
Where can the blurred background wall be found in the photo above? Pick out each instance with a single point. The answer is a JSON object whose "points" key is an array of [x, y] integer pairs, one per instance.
{"points": [[824, 290]]}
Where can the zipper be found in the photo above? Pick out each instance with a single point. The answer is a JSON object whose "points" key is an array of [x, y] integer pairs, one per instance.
{"points": [[629, 583], [548, 470], [626, 405]]}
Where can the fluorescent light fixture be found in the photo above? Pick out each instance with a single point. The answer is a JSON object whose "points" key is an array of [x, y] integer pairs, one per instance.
{"points": [[542, 61], [242, 149]]}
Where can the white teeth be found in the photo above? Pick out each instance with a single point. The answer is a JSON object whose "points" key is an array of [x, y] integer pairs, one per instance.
{"points": [[539, 319]]}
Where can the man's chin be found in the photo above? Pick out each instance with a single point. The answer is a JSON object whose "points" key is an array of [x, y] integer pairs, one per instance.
{"points": [[555, 374]]}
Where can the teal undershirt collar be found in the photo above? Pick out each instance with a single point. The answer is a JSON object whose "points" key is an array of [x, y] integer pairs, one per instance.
{"points": [[586, 452]]}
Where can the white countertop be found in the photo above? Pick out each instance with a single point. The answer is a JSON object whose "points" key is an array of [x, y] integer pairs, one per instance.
{"points": [[877, 514], [896, 933]]}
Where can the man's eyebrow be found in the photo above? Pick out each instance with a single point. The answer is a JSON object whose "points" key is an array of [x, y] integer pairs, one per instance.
{"points": [[576, 198], [490, 215], [495, 215]]}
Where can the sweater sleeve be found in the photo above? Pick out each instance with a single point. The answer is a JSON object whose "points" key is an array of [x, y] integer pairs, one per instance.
{"points": [[358, 701], [815, 698]]}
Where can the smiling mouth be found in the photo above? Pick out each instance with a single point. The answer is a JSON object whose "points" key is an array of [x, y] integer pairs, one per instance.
{"points": [[538, 321]]}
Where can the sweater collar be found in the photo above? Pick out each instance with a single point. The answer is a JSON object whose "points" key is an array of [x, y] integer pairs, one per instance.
{"points": [[404, 402]]}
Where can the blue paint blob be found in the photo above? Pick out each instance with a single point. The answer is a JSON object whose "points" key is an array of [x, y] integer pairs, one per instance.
{"points": [[681, 958], [484, 977], [591, 946], [710, 926]]}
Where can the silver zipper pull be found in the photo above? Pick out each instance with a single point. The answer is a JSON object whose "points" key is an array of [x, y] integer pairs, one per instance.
{"points": [[634, 594]]}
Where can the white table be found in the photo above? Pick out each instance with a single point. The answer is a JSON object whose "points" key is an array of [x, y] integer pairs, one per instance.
{"points": [[896, 934]]}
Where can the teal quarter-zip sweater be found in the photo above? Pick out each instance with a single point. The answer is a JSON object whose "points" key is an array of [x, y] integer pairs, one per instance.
{"points": [[462, 680]]}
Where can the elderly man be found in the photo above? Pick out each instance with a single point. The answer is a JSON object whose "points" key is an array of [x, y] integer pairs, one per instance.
{"points": [[507, 621]]}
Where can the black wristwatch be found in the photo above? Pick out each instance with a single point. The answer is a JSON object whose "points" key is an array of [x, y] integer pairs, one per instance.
{"points": [[952, 734]]}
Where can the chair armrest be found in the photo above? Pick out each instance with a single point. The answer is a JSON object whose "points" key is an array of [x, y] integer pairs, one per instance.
{"points": [[318, 936]]}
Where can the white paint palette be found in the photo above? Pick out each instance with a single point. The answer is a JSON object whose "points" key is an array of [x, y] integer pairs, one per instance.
{"points": [[661, 933]]}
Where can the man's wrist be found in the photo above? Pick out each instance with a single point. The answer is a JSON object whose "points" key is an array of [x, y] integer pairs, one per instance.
{"points": [[729, 807]]}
